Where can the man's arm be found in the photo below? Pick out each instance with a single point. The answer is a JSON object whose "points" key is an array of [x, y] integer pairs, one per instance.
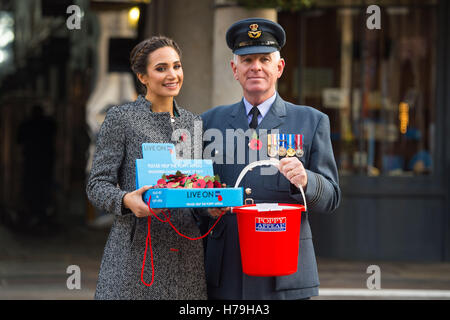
{"points": [[322, 190]]}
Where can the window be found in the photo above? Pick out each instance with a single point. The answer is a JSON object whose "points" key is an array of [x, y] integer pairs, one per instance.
{"points": [[6, 43], [377, 86]]}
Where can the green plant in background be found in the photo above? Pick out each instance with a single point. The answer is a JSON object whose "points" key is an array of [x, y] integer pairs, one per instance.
{"points": [[290, 5]]}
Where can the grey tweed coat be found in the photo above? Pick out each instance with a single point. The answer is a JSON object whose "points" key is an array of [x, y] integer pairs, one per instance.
{"points": [[178, 262]]}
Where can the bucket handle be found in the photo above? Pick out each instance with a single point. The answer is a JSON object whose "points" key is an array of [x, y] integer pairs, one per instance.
{"points": [[271, 162]]}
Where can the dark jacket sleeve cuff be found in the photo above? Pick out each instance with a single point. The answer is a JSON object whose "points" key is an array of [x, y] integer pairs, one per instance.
{"points": [[312, 191], [120, 207]]}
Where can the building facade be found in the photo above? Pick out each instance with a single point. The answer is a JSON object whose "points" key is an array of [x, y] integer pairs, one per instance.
{"points": [[385, 91]]}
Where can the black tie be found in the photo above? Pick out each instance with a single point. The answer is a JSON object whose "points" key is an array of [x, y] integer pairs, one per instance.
{"points": [[255, 113]]}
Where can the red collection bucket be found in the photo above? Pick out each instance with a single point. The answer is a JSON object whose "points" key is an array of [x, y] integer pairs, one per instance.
{"points": [[269, 236]]}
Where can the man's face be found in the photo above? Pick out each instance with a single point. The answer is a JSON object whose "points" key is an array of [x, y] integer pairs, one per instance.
{"points": [[258, 73]]}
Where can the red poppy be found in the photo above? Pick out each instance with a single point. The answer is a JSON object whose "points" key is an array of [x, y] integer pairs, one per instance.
{"points": [[255, 144], [200, 183], [172, 184], [181, 180]]}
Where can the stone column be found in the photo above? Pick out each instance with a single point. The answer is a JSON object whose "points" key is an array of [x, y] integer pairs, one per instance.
{"points": [[190, 24]]}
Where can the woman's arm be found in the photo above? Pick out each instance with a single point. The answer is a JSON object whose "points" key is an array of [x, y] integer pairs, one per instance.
{"points": [[102, 187]]}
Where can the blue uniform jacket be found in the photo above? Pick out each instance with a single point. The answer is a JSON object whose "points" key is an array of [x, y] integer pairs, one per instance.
{"points": [[223, 260]]}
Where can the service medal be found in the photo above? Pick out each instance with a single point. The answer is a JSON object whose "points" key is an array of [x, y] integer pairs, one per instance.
{"points": [[290, 151], [273, 152], [299, 145], [282, 149], [273, 145]]}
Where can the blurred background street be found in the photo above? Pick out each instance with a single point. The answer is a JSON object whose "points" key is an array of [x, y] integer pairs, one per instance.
{"points": [[34, 266]]}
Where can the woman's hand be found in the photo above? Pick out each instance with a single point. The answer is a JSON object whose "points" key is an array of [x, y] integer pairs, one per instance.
{"points": [[216, 212], [133, 201]]}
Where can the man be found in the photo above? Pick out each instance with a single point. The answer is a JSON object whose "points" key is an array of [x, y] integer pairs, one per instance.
{"points": [[257, 66]]}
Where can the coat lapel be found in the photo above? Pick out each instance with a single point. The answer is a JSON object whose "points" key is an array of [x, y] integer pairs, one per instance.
{"points": [[238, 117], [276, 115]]}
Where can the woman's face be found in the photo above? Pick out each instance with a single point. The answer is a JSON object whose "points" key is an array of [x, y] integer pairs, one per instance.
{"points": [[164, 76]]}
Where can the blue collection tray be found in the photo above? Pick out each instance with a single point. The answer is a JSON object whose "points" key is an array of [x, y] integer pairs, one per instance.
{"points": [[159, 159]]}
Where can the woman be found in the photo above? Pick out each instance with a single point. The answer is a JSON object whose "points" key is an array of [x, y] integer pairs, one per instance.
{"points": [[178, 262]]}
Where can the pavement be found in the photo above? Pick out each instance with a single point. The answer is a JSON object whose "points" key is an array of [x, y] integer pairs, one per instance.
{"points": [[350, 280], [34, 265]]}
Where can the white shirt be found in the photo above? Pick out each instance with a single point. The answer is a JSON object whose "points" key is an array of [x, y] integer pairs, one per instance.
{"points": [[263, 108]]}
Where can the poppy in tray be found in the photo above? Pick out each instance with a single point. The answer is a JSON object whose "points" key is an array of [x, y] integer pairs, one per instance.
{"points": [[181, 180]]}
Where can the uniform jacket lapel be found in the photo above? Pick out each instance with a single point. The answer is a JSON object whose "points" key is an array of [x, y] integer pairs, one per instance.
{"points": [[276, 115], [238, 117]]}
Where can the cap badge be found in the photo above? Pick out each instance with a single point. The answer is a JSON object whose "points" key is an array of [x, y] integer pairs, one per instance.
{"points": [[254, 33]]}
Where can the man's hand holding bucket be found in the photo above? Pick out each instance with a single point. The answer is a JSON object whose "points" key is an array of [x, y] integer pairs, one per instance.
{"points": [[292, 168]]}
